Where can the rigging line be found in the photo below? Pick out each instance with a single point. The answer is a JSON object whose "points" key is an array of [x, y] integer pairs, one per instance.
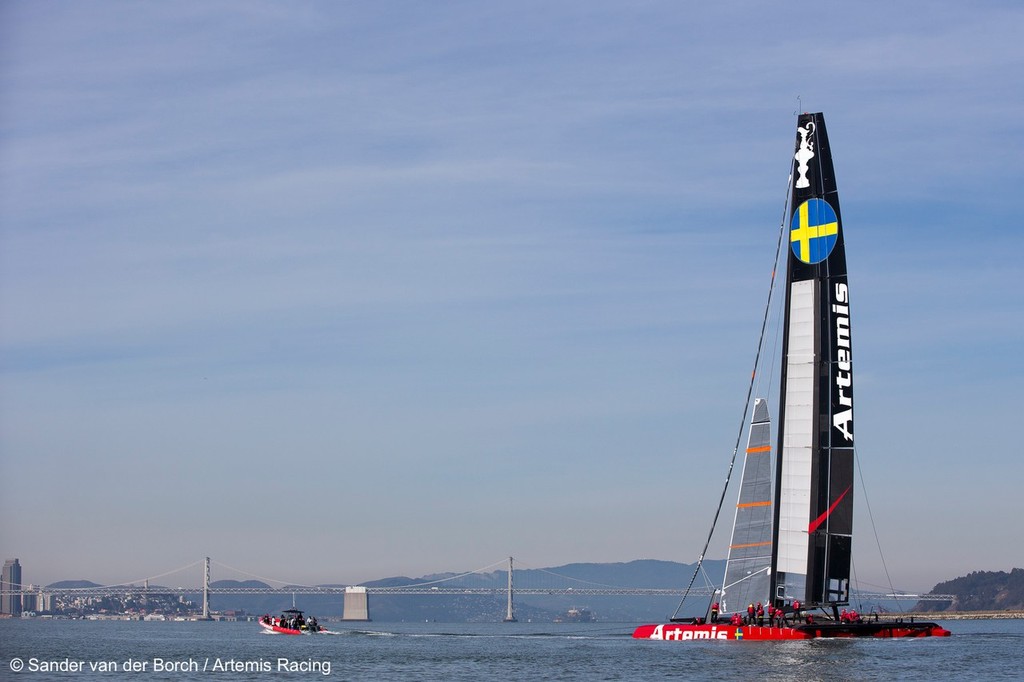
{"points": [[871, 517], [750, 390], [746, 577], [853, 581], [777, 322], [707, 580], [779, 317]]}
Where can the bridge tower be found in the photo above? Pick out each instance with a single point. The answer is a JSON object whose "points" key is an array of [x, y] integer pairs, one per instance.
{"points": [[356, 605], [206, 591], [510, 616]]}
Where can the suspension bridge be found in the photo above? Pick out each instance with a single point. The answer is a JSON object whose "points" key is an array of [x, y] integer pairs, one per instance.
{"points": [[480, 582]]}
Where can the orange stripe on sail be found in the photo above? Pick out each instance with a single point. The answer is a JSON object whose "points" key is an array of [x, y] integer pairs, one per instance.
{"points": [[763, 448], [743, 505], [751, 544]]}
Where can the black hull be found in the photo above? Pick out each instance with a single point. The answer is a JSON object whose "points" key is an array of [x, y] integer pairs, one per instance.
{"points": [[879, 629]]}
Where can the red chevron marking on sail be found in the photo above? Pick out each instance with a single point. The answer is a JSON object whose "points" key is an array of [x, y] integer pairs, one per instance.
{"points": [[828, 512]]}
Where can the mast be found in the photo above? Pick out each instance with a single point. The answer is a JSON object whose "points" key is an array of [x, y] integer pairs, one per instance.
{"points": [[814, 476]]}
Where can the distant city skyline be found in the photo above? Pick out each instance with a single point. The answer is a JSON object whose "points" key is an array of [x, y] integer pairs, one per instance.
{"points": [[337, 291]]}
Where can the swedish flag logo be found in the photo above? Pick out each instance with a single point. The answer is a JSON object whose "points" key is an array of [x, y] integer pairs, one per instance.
{"points": [[739, 633], [814, 231]]}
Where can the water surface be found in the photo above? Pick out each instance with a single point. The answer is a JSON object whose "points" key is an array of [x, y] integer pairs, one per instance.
{"points": [[987, 649]]}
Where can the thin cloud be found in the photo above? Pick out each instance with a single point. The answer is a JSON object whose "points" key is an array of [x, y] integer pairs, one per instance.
{"points": [[397, 243]]}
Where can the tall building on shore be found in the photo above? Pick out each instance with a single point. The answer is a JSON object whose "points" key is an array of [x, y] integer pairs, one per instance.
{"points": [[10, 588]]}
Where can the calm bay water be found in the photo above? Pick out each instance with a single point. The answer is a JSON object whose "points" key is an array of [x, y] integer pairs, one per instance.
{"points": [[985, 650]]}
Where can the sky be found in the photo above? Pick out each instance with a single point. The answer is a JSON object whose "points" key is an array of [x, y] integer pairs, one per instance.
{"points": [[334, 291]]}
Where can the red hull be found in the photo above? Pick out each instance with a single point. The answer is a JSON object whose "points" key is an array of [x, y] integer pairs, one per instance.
{"points": [[721, 631], [283, 631], [755, 633]]}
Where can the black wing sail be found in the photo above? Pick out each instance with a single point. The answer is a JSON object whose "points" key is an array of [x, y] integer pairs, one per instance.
{"points": [[814, 481]]}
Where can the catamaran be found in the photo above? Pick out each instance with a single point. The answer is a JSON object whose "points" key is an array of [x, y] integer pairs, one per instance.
{"points": [[788, 571]]}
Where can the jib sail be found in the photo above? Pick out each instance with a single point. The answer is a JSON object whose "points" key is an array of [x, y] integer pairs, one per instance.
{"points": [[750, 552]]}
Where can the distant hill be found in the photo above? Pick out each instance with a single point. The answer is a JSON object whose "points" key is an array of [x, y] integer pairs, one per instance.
{"points": [[238, 584], [638, 573], [980, 591], [72, 584]]}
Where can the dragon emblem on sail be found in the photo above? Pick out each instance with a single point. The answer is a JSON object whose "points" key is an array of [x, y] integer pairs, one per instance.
{"points": [[804, 153]]}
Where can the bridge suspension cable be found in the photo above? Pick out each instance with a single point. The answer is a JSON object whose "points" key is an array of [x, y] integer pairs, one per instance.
{"points": [[131, 583], [441, 586]]}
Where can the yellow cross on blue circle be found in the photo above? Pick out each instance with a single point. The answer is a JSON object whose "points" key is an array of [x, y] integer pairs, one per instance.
{"points": [[814, 231]]}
